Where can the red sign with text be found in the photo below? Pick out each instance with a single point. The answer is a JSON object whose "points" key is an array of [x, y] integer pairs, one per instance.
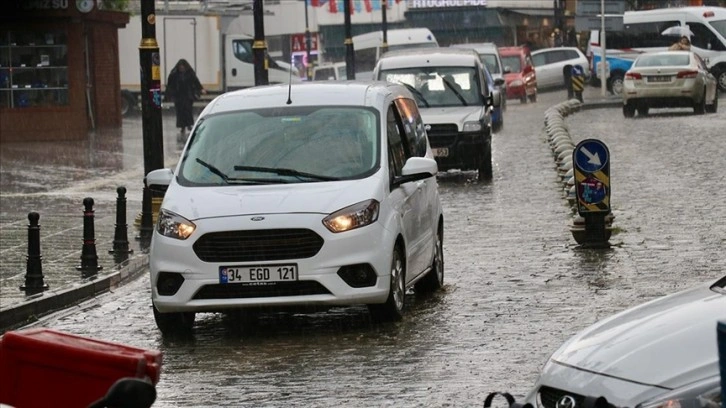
{"points": [[298, 42]]}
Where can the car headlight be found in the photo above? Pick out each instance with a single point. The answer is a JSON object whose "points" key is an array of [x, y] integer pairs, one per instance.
{"points": [[516, 82], [352, 217], [174, 225], [702, 394], [472, 126]]}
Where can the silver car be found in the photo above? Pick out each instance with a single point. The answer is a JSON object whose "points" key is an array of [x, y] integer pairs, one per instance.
{"points": [[669, 79], [659, 354]]}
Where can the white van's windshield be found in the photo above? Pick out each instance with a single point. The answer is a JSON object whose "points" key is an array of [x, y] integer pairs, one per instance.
{"points": [[439, 86], [272, 146]]}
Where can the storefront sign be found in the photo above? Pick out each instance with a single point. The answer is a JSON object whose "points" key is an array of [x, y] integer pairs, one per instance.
{"points": [[45, 5], [444, 3], [298, 42]]}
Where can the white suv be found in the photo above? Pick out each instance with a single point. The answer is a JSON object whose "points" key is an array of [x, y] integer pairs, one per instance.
{"points": [[554, 65], [322, 194], [454, 100]]}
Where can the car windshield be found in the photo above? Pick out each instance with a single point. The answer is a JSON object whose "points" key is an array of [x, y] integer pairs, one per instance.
{"points": [[282, 145], [490, 60], [513, 62], [662, 60], [439, 86]]}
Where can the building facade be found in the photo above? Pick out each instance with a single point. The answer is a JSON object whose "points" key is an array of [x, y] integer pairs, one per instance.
{"points": [[59, 74]]}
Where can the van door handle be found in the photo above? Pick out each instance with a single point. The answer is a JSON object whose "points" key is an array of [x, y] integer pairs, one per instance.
{"points": [[234, 71]]}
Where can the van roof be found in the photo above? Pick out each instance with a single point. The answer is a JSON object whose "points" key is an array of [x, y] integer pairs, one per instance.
{"points": [[486, 47], [340, 93], [395, 37], [698, 11], [441, 57]]}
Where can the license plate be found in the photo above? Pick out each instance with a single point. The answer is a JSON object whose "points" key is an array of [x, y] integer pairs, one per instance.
{"points": [[441, 151], [258, 274], [659, 78]]}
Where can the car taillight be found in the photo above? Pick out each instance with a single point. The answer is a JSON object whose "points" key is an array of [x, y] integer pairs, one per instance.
{"points": [[687, 74], [633, 75]]}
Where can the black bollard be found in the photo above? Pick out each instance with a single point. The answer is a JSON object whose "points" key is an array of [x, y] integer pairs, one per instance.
{"points": [[120, 239], [89, 260], [34, 268], [147, 221]]}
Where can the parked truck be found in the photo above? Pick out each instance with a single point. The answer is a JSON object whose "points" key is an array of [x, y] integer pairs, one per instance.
{"points": [[222, 61]]}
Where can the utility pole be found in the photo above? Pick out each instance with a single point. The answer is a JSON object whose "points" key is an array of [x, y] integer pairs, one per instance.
{"points": [[308, 45], [384, 26], [349, 55], [152, 130], [603, 61], [259, 47]]}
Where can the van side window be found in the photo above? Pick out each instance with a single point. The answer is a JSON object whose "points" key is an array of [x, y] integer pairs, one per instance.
{"points": [[642, 35], [242, 50], [413, 126], [705, 38], [397, 146]]}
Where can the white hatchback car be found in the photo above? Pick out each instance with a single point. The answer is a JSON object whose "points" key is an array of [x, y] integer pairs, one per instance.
{"points": [[322, 194], [659, 354]]}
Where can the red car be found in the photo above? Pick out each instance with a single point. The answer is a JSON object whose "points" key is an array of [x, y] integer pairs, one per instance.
{"points": [[519, 73]]}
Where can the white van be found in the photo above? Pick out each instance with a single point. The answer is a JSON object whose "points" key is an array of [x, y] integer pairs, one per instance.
{"points": [[454, 100], [656, 30], [367, 47]]}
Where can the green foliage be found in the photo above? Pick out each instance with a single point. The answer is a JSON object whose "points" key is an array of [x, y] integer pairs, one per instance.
{"points": [[116, 5]]}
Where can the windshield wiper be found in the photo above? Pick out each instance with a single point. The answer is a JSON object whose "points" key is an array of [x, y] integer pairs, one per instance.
{"points": [[213, 169], [454, 90], [416, 92], [286, 172]]}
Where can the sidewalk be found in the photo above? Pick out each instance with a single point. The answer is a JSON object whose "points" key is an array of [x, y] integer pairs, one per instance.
{"points": [[53, 179]]}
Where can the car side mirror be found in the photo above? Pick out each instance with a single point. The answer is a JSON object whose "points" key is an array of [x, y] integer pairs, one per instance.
{"points": [[494, 99], [507, 70], [160, 177], [499, 82]]}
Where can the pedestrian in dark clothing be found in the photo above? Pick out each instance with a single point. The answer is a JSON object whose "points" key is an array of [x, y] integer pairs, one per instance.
{"points": [[183, 87]]}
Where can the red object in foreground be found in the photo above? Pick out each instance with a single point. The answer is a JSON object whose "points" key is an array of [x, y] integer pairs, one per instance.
{"points": [[44, 367]]}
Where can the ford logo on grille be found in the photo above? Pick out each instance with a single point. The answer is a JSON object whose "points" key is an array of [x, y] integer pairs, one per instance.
{"points": [[257, 218], [566, 402]]}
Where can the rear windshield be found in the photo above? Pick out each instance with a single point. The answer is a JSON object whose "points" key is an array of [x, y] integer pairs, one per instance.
{"points": [[662, 60]]}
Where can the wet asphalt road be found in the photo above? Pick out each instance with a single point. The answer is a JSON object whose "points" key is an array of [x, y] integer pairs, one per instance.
{"points": [[517, 284]]}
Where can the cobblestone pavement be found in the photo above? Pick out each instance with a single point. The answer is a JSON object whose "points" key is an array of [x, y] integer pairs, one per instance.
{"points": [[517, 285]]}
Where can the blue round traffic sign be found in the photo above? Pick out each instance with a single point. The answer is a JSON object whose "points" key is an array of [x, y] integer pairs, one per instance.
{"points": [[591, 155]]}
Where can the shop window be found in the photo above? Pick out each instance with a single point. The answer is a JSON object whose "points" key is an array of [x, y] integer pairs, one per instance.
{"points": [[33, 69]]}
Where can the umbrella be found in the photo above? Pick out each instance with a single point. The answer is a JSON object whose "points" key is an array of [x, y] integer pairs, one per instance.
{"points": [[680, 31]]}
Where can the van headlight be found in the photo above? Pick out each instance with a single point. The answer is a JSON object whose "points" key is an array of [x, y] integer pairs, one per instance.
{"points": [[174, 225], [352, 217], [702, 394], [472, 126]]}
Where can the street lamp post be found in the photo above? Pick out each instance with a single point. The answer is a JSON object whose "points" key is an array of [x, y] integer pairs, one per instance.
{"points": [[349, 55], [384, 26], [152, 130], [308, 45], [259, 47]]}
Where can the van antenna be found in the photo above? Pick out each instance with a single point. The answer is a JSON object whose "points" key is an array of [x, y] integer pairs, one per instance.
{"points": [[289, 86]]}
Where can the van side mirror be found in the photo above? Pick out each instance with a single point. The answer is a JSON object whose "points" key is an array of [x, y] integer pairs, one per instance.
{"points": [[499, 82]]}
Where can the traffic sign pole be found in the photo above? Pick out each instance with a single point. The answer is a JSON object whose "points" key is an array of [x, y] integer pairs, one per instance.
{"points": [[591, 168]]}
